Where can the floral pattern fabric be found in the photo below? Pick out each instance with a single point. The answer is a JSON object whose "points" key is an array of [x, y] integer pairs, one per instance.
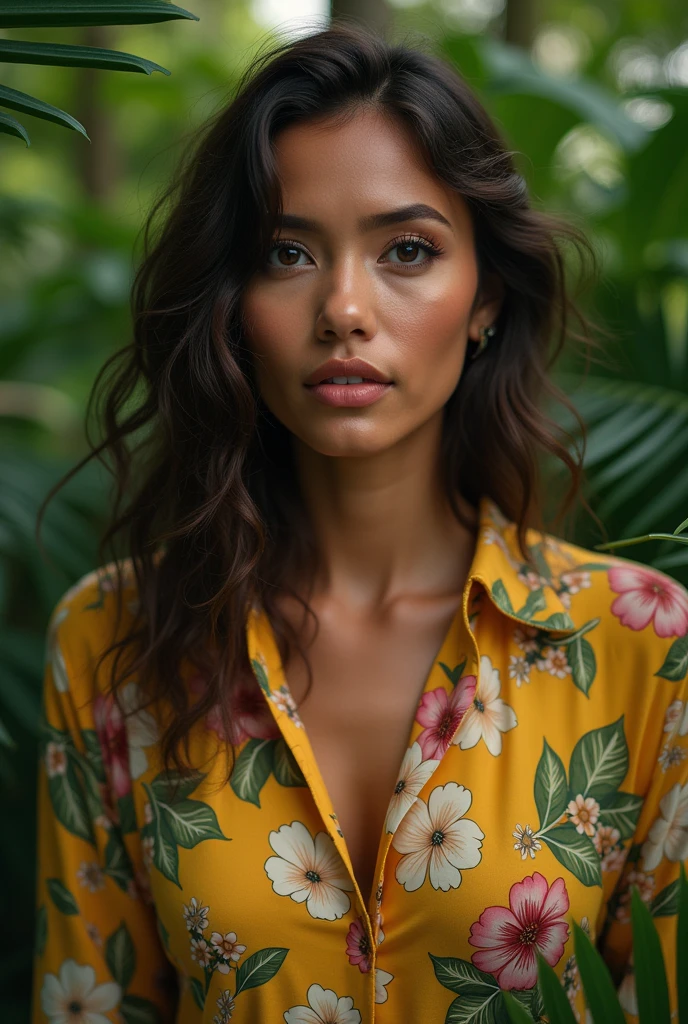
{"points": [[546, 773]]}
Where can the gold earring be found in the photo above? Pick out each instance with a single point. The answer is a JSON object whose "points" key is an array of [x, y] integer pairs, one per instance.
{"points": [[485, 334]]}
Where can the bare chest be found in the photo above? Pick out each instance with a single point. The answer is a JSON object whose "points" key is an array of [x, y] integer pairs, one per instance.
{"points": [[367, 681]]}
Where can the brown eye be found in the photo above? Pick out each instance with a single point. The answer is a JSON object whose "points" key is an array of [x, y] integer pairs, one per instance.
{"points": [[408, 251], [287, 255]]}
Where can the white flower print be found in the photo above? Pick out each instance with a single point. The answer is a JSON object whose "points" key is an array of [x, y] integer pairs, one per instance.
{"points": [[584, 812], [55, 759], [576, 581], [195, 916], [525, 638], [283, 700], [488, 716], [671, 756], [413, 775], [668, 836], [526, 842], [142, 729], [226, 1004], [226, 946], [555, 662], [324, 1007], [436, 839], [627, 994], [201, 952], [676, 718], [90, 875], [532, 580], [74, 998], [382, 978], [309, 870], [519, 669]]}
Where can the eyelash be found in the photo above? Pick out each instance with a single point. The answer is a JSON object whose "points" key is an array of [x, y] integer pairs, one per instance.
{"points": [[424, 242]]}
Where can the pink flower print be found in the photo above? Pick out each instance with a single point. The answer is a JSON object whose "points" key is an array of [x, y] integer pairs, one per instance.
{"points": [[441, 712], [358, 946], [509, 938], [250, 716], [646, 595], [112, 735]]}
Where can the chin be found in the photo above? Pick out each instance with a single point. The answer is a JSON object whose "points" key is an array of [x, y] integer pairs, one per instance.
{"points": [[354, 443]]}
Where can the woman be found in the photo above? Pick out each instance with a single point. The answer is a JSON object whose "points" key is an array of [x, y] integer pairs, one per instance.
{"points": [[347, 737]]}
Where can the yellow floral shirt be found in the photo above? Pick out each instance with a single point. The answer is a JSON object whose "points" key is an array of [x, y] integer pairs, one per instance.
{"points": [[546, 772]]}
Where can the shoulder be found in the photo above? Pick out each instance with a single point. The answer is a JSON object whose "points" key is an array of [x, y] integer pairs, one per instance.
{"points": [[87, 619], [638, 612]]}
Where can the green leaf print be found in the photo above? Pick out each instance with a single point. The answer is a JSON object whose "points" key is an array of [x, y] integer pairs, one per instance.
{"points": [[621, 811], [94, 753], [118, 865], [41, 933], [536, 602], [461, 976], [252, 770], [69, 801], [61, 896], [501, 597], [260, 967], [136, 1010], [599, 761], [453, 674], [197, 992], [121, 956], [473, 1008], [260, 674], [581, 658], [285, 767], [564, 641], [576, 852], [551, 792], [127, 813], [675, 665], [665, 903], [176, 821]]}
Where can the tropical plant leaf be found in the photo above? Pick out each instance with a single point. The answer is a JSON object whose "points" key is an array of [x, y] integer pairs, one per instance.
{"points": [[600, 993], [10, 126], [69, 802], [599, 761], [137, 1010], [252, 770], [665, 903], [70, 13], [285, 766], [190, 822], [21, 101], [260, 967], [581, 658], [557, 1006], [118, 864], [517, 1013], [16, 51], [650, 975], [621, 810], [478, 1008], [675, 665], [197, 992], [461, 976], [170, 786], [62, 897], [550, 787], [535, 602]]}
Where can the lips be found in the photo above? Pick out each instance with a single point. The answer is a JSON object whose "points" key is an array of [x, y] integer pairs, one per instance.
{"points": [[347, 368]]}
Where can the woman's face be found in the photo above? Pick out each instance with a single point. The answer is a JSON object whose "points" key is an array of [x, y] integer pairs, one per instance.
{"points": [[396, 292]]}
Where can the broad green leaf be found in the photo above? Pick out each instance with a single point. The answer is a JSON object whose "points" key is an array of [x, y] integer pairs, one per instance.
{"points": [[550, 787], [165, 854], [501, 597], [621, 810], [675, 665], [94, 753], [460, 975], [585, 628], [21, 101], [665, 903], [682, 946], [252, 770], [581, 658], [557, 1006], [558, 621], [576, 852], [118, 865], [285, 767], [137, 1010], [173, 785], [10, 126], [127, 813], [260, 967], [261, 675], [16, 51], [43, 14], [190, 822], [650, 975], [41, 935], [599, 761], [61, 896], [198, 992], [121, 956], [453, 674], [535, 602], [600, 993], [517, 1013]]}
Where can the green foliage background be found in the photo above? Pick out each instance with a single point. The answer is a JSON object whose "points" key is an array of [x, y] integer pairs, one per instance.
{"points": [[599, 111]]}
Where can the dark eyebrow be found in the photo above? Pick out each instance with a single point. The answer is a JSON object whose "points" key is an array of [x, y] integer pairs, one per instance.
{"points": [[415, 211]]}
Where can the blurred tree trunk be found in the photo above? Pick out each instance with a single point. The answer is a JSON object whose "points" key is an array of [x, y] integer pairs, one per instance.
{"points": [[97, 162], [374, 14], [521, 22]]}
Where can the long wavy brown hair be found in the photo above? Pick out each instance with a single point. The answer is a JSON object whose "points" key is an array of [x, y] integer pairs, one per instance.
{"points": [[205, 501]]}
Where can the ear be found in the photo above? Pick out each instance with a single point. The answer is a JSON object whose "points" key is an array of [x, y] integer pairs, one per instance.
{"points": [[487, 305]]}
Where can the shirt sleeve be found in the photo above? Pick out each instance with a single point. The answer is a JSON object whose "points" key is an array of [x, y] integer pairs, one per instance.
{"points": [[660, 841], [98, 945]]}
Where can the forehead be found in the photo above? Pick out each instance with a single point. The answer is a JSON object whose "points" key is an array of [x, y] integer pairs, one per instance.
{"points": [[340, 168]]}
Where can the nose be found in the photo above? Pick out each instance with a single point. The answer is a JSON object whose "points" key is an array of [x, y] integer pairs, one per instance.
{"points": [[346, 303]]}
